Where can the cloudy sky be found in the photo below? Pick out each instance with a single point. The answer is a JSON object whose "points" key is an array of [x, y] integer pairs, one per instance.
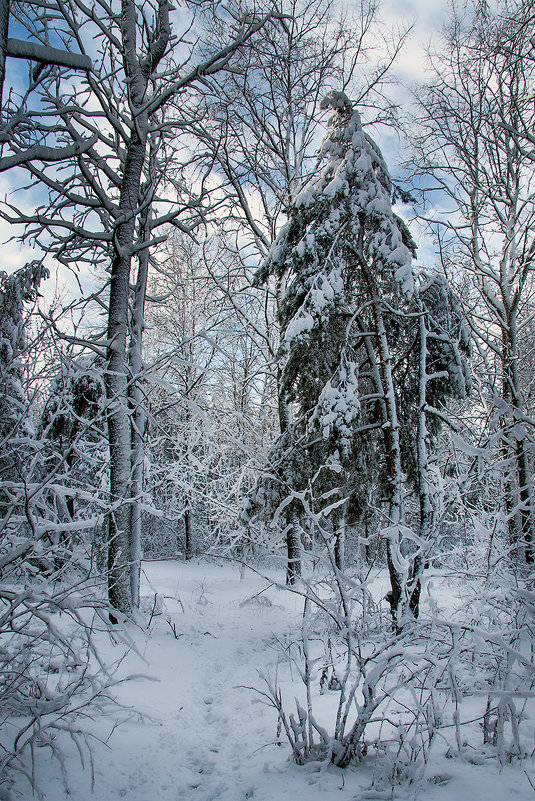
{"points": [[425, 16]]}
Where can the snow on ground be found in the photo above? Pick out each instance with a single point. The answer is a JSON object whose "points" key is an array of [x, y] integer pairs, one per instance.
{"points": [[204, 736]]}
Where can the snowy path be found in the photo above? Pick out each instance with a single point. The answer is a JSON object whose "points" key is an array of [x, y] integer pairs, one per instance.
{"points": [[210, 724], [204, 737]]}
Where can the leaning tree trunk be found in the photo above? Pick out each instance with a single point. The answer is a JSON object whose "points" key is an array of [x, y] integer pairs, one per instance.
{"points": [[293, 534], [396, 561]]}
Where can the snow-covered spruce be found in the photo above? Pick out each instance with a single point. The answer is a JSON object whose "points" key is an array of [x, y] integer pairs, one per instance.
{"points": [[350, 335], [15, 290]]}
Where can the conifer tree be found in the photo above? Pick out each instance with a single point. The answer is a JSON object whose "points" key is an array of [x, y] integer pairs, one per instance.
{"points": [[15, 290], [353, 326]]}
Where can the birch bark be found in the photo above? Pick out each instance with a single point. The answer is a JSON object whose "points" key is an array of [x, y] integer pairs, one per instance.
{"points": [[123, 541]]}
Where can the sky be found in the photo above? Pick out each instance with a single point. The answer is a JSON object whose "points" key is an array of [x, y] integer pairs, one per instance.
{"points": [[425, 17]]}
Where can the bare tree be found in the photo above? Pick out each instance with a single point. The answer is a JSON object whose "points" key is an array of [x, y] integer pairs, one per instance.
{"points": [[114, 170], [473, 143]]}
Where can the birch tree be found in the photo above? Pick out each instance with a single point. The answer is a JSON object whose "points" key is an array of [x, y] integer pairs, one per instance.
{"points": [[474, 150], [120, 139]]}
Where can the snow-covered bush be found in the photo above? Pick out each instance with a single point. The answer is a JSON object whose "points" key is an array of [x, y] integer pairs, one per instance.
{"points": [[491, 667], [73, 449], [49, 670], [346, 650], [369, 691], [50, 675]]}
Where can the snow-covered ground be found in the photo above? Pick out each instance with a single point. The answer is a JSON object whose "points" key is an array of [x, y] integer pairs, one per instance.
{"points": [[204, 735]]}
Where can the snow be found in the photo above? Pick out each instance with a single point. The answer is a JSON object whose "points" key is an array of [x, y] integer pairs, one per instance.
{"points": [[337, 185], [204, 734], [338, 407], [300, 324]]}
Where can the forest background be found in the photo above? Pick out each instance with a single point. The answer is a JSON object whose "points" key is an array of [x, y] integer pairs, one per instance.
{"points": [[268, 339]]}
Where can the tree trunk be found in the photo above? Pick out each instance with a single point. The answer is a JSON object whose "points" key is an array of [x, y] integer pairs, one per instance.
{"points": [[521, 457], [293, 534], [518, 484], [367, 544], [424, 484], [119, 441], [339, 545], [137, 411], [526, 500], [119, 431], [123, 551], [188, 544], [293, 545], [394, 539]]}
